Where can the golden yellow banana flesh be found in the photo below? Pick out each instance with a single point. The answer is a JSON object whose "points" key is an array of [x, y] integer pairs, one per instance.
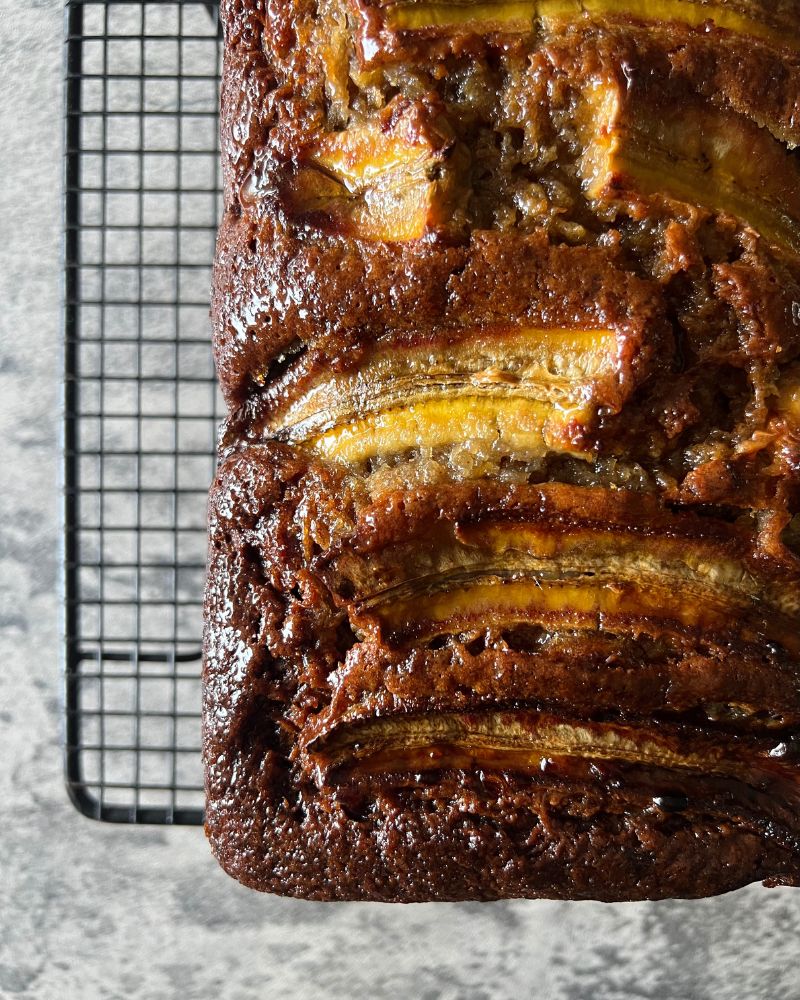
{"points": [[694, 153], [756, 20], [391, 179]]}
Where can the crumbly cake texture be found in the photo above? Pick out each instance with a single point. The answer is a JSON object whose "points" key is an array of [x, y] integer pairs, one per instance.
{"points": [[504, 585]]}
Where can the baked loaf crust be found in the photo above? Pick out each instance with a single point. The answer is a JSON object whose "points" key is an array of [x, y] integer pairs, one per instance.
{"points": [[504, 588]]}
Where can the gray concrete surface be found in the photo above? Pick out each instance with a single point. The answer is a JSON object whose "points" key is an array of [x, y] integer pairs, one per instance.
{"points": [[90, 911]]}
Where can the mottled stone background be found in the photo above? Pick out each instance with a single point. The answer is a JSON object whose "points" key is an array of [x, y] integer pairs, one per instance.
{"points": [[90, 911]]}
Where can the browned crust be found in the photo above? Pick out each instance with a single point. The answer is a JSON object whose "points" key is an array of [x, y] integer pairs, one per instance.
{"points": [[706, 313], [334, 294], [277, 653], [458, 839]]}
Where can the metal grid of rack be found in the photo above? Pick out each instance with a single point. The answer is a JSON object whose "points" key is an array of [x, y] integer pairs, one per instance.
{"points": [[142, 201]]}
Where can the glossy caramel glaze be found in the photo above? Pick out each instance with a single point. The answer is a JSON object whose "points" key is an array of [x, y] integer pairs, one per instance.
{"points": [[504, 589]]}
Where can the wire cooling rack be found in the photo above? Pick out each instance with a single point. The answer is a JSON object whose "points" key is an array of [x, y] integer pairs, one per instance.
{"points": [[142, 201]]}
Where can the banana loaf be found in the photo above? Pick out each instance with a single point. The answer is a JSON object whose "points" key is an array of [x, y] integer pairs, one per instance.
{"points": [[504, 571]]}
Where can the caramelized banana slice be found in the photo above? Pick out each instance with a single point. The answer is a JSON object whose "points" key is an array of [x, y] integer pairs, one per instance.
{"points": [[482, 15], [760, 19], [383, 19], [394, 178], [520, 393], [693, 153], [692, 563], [561, 533], [520, 428], [563, 367], [646, 605], [526, 742], [439, 558]]}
